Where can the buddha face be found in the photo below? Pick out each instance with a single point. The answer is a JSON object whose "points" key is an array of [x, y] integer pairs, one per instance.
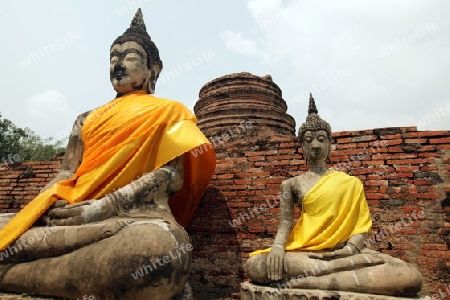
{"points": [[316, 145], [128, 68]]}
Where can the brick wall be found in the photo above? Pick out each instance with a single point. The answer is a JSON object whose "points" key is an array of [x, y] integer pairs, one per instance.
{"points": [[406, 174], [21, 182]]}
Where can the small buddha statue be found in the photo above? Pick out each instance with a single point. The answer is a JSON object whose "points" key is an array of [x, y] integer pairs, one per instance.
{"points": [[325, 249], [110, 224]]}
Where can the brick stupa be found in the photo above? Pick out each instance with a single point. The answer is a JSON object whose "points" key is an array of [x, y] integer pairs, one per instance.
{"points": [[228, 101]]}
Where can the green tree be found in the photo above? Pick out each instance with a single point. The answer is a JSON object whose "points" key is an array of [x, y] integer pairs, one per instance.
{"points": [[17, 144], [11, 137], [33, 147]]}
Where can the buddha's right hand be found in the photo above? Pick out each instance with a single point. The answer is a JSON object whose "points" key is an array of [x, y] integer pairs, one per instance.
{"points": [[276, 263], [83, 212]]}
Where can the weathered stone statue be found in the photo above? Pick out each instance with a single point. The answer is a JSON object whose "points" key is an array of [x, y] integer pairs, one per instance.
{"points": [[325, 249], [129, 181]]}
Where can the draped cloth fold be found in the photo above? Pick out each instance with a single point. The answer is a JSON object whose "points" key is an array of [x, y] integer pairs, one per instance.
{"points": [[123, 140], [333, 210]]}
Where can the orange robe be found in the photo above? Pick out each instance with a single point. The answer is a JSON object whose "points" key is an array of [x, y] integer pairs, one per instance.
{"points": [[333, 210], [124, 139]]}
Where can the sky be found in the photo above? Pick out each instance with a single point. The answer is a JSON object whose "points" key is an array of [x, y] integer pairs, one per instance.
{"points": [[369, 64]]}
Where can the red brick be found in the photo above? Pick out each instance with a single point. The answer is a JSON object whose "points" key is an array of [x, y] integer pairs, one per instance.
{"points": [[445, 140], [271, 163], [287, 156], [435, 253], [395, 149], [386, 143], [443, 147], [344, 140], [354, 152], [415, 161], [429, 154], [371, 170], [427, 261], [225, 176], [286, 151], [362, 132], [395, 253], [427, 148], [377, 196], [341, 134], [364, 138], [416, 141], [436, 133], [406, 168], [268, 180], [346, 146], [428, 196], [252, 174], [372, 162], [434, 247], [371, 189], [376, 183], [372, 202], [266, 152], [391, 136], [37, 179], [381, 156], [399, 175], [256, 158], [429, 168], [404, 155]]}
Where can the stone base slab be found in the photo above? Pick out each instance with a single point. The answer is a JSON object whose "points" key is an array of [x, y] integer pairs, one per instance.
{"points": [[251, 291], [23, 297]]}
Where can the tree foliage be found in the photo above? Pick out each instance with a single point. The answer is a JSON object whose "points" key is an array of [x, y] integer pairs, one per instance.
{"points": [[23, 144]]}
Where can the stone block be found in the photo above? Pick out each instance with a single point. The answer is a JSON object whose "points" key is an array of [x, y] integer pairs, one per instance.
{"points": [[251, 291]]}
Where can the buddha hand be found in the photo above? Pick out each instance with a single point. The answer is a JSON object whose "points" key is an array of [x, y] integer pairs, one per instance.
{"points": [[61, 213], [348, 250], [276, 262]]}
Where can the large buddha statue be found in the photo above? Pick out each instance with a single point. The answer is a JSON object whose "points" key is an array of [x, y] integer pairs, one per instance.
{"points": [[325, 249], [110, 224]]}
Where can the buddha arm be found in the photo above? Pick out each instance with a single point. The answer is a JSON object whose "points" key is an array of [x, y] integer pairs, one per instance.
{"points": [[356, 242], [151, 189], [73, 155], [286, 214], [276, 262]]}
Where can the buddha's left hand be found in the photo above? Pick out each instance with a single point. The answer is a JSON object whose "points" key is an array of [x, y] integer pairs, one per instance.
{"points": [[348, 250], [81, 213]]}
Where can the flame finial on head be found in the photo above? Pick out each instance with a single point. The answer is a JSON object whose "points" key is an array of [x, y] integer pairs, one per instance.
{"points": [[312, 105], [313, 121], [137, 32]]}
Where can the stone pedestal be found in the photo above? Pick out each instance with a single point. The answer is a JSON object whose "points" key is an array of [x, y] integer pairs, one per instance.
{"points": [[251, 291]]}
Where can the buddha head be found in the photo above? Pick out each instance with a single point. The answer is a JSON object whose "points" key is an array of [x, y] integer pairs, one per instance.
{"points": [[315, 135], [134, 59]]}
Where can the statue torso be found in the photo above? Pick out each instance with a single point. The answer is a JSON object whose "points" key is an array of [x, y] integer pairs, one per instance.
{"points": [[300, 185]]}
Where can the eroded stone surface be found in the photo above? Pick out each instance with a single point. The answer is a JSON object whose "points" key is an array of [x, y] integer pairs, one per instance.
{"points": [[251, 291]]}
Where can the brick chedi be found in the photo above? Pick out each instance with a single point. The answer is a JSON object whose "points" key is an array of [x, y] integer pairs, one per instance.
{"points": [[242, 97]]}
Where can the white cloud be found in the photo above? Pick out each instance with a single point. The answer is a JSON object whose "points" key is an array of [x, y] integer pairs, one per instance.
{"points": [[48, 113], [236, 42], [309, 40]]}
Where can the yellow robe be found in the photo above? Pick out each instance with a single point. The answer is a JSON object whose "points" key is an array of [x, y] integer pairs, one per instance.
{"points": [[333, 210], [124, 139]]}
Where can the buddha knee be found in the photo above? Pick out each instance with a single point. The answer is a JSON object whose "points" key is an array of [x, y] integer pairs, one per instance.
{"points": [[255, 267]]}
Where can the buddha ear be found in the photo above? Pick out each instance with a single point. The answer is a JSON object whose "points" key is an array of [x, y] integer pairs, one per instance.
{"points": [[154, 75], [329, 152]]}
